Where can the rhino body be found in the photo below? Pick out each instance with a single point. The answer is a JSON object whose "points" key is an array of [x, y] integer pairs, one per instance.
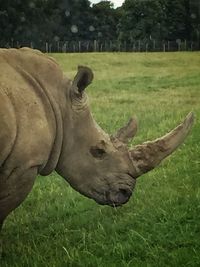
{"points": [[30, 122], [46, 125]]}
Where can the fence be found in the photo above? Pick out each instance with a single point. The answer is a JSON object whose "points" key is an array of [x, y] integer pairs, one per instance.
{"points": [[107, 46]]}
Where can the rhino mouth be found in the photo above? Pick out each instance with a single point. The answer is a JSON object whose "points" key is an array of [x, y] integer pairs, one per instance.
{"points": [[112, 198], [112, 203]]}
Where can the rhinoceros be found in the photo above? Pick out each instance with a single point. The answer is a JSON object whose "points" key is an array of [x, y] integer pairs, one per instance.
{"points": [[46, 125]]}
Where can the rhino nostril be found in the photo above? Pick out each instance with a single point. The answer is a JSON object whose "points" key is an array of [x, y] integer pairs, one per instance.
{"points": [[123, 195], [125, 192], [119, 197]]}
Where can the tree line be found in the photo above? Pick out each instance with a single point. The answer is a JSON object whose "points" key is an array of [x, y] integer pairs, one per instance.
{"points": [[39, 22]]}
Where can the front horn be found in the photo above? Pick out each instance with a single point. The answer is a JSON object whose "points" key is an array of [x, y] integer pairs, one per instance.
{"points": [[147, 156]]}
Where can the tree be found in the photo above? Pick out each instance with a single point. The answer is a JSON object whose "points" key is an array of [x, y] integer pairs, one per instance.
{"points": [[75, 19], [141, 19], [105, 20], [195, 20], [177, 19], [24, 20]]}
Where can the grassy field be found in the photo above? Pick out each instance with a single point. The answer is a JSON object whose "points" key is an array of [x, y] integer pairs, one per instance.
{"points": [[160, 226]]}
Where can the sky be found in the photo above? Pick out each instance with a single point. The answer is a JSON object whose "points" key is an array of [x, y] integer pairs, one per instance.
{"points": [[117, 3]]}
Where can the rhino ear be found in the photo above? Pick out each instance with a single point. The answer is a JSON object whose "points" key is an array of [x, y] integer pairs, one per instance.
{"points": [[82, 79]]}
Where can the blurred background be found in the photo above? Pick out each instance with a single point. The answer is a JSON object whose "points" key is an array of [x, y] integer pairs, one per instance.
{"points": [[84, 26]]}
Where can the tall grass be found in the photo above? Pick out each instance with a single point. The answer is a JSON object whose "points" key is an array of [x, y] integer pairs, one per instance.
{"points": [[160, 226]]}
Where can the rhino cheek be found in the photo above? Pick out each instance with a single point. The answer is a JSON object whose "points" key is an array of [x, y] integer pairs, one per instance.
{"points": [[114, 189], [76, 176]]}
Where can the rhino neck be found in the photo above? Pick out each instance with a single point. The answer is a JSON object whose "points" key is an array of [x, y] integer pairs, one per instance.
{"points": [[56, 101], [57, 144]]}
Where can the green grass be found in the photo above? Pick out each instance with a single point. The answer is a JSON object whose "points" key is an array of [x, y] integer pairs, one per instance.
{"points": [[160, 226]]}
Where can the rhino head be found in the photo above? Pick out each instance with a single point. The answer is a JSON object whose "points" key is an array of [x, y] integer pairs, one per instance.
{"points": [[100, 166]]}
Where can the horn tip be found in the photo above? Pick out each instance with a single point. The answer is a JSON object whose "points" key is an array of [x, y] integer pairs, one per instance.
{"points": [[134, 123], [133, 120], [189, 120]]}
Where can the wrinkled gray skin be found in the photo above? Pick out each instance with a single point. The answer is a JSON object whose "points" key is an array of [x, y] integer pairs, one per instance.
{"points": [[46, 125]]}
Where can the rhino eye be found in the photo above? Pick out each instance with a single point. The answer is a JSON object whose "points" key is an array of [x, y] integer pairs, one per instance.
{"points": [[97, 152]]}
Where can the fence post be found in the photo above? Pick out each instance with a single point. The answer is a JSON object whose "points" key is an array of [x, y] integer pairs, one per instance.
{"points": [[146, 47], [168, 45], [87, 46], [185, 44], [67, 46], [58, 46], [64, 48], [47, 47], [154, 45], [125, 46], [164, 48], [95, 45], [179, 46], [12, 42], [79, 46], [110, 49], [74, 48]]}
